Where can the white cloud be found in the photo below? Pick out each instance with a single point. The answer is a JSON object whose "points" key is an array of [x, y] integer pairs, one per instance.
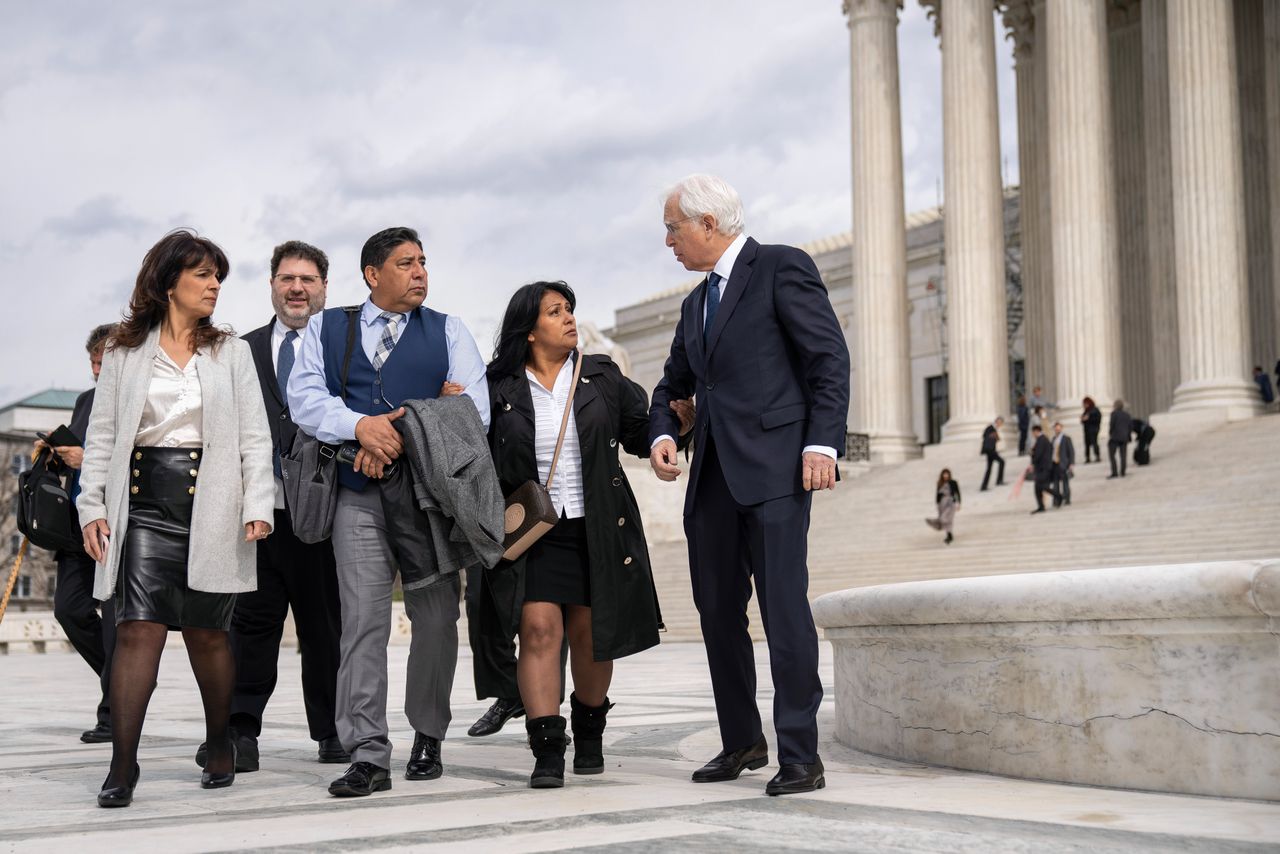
{"points": [[523, 140]]}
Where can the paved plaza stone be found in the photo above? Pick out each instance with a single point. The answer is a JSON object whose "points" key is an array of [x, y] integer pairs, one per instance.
{"points": [[662, 729]]}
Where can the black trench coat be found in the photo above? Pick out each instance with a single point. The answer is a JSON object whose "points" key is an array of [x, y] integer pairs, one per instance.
{"points": [[612, 414]]}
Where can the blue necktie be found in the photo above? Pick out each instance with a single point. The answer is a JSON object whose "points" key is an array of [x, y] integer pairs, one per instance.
{"points": [[284, 364], [713, 304]]}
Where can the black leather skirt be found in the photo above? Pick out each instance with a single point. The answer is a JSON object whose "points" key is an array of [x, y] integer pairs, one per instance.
{"points": [[152, 583]]}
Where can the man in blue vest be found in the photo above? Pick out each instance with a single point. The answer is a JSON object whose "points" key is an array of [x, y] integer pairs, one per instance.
{"points": [[401, 351]]}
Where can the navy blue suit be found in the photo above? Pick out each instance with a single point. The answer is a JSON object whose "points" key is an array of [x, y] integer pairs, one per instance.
{"points": [[771, 378]]}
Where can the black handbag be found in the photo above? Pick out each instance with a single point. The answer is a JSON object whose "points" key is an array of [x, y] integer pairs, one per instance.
{"points": [[309, 468], [530, 513], [46, 514]]}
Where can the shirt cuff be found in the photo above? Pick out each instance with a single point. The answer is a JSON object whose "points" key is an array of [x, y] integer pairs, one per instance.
{"points": [[655, 442], [821, 449], [347, 425]]}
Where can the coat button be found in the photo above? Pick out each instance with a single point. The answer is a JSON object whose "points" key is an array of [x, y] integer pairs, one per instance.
{"points": [[284, 416], [506, 407], [134, 489], [587, 381], [710, 386], [137, 473], [194, 455], [613, 443], [627, 561], [193, 472], [617, 481], [191, 490], [621, 521], [137, 455]]}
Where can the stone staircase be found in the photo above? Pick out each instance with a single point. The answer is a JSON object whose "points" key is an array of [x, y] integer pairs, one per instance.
{"points": [[1209, 494]]}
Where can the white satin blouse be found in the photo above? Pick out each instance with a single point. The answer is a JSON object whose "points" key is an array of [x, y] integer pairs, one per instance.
{"points": [[173, 415]]}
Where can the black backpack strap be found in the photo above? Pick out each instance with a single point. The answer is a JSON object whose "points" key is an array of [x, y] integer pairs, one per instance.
{"points": [[353, 325]]}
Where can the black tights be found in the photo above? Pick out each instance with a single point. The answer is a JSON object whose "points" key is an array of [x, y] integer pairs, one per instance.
{"points": [[133, 678]]}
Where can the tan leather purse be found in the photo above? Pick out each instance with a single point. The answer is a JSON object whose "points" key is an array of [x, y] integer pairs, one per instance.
{"points": [[530, 513]]}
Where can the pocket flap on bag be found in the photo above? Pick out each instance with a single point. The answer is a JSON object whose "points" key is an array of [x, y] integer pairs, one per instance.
{"points": [[784, 415]]}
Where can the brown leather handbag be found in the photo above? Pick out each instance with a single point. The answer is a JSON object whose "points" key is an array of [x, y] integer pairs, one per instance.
{"points": [[530, 513]]}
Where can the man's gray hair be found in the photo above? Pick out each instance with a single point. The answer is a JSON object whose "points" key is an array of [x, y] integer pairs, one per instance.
{"points": [[707, 194]]}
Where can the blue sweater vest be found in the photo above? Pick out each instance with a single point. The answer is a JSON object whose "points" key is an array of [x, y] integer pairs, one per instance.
{"points": [[415, 370]]}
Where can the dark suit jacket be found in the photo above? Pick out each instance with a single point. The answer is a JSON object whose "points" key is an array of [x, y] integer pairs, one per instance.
{"points": [[771, 379], [282, 426], [989, 437], [1066, 452], [1121, 427], [1042, 458]]}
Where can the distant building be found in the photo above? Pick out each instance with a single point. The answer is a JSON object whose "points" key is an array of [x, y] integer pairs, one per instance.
{"points": [[19, 422]]}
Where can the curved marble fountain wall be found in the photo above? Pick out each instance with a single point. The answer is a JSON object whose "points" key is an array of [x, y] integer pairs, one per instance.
{"points": [[1158, 677]]}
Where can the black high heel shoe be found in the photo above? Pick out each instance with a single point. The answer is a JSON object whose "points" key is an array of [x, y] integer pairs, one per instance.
{"points": [[220, 781], [119, 796]]}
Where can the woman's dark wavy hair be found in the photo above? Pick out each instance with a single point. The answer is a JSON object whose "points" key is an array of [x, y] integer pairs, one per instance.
{"points": [[178, 250], [511, 345], [1089, 404], [941, 481]]}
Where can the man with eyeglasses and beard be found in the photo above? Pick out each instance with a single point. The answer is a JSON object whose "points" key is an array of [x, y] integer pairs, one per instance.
{"points": [[291, 573]]}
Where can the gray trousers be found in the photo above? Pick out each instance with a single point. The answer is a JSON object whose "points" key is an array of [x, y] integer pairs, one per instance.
{"points": [[366, 574]]}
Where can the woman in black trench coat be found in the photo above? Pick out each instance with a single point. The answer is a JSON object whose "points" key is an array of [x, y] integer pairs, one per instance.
{"points": [[589, 577]]}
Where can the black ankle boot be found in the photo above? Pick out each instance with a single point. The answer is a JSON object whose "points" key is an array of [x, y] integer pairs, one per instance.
{"points": [[588, 727], [547, 741]]}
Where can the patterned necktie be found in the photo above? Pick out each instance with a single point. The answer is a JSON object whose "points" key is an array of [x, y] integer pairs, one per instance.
{"points": [[713, 304], [284, 363], [387, 342]]}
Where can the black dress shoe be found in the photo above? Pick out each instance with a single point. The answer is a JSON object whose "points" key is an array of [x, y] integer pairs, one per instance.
{"points": [[496, 717], [424, 759], [119, 796], [1037, 510], [794, 779], [247, 759], [730, 763], [98, 735], [331, 752], [220, 780], [362, 778]]}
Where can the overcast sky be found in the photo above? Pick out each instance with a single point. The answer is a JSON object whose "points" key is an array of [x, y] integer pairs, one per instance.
{"points": [[523, 140]]}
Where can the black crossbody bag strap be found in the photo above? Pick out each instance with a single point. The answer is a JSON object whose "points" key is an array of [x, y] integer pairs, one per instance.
{"points": [[353, 324]]}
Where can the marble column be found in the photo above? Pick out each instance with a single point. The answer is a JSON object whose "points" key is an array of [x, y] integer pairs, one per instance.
{"points": [[973, 222], [1271, 49], [1086, 297], [1037, 297], [1045, 311], [1162, 293], [1251, 87], [1136, 374], [1208, 209], [880, 345]]}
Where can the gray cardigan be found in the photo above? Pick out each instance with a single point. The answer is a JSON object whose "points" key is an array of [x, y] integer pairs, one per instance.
{"points": [[235, 485]]}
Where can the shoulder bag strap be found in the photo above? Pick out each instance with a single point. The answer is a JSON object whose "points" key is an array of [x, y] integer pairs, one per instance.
{"points": [[564, 422], [353, 324]]}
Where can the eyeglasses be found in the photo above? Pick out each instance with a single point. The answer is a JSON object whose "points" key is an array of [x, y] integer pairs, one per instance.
{"points": [[671, 226], [290, 281]]}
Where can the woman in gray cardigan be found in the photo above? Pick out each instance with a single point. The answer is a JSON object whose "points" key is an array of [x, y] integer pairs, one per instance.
{"points": [[175, 491]]}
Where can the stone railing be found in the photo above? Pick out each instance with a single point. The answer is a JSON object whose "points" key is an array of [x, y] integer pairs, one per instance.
{"points": [[1161, 677]]}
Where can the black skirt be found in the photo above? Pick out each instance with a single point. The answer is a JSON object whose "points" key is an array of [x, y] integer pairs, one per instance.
{"points": [[152, 582], [557, 568]]}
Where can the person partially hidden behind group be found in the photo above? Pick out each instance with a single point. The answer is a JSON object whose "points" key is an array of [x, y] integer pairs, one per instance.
{"points": [[175, 492], [588, 578], [947, 499]]}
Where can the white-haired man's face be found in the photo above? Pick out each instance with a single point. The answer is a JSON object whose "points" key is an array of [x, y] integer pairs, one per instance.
{"points": [[695, 240]]}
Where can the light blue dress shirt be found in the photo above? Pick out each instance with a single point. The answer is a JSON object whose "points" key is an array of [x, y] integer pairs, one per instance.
{"points": [[327, 417]]}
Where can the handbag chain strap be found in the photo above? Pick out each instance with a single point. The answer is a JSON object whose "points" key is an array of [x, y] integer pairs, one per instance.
{"points": [[564, 422]]}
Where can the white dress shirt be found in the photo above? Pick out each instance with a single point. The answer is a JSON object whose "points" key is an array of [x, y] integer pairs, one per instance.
{"points": [[173, 415], [278, 333], [723, 269], [327, 417], [548, 409]]}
